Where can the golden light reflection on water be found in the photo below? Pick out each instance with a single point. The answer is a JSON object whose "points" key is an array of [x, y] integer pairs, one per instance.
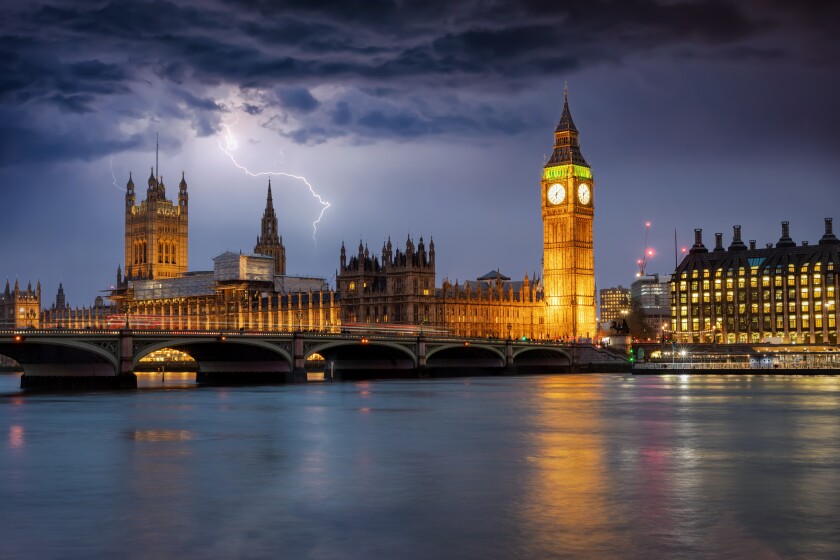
{"points": [[566, 498], [162, 435]]}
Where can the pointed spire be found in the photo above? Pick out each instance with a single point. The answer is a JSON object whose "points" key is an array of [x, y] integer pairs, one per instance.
{"points": [[152, 180], [183, 183], [130, 184], [566, 123]]}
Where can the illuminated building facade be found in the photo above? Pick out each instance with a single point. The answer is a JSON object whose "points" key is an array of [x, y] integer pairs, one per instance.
{"points": [[615, 304], [785, 293], [20, 308], [156, 231], [399, 288], [242, 292], [568, 258]]}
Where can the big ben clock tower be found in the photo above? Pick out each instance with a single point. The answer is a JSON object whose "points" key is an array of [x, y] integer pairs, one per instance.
{"points": [[567, 211]]}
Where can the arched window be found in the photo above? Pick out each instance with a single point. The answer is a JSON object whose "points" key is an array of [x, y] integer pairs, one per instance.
{"points": [[174, 252], [160, 252]]}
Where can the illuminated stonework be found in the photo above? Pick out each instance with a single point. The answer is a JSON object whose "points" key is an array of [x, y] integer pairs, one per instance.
{"points": [[568, 258], [156, 232]]}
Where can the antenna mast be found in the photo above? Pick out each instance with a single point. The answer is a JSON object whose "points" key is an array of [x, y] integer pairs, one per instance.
{"points": [[643, 261], [157, 149]]}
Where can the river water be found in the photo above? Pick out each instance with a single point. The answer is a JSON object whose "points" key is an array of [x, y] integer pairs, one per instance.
{"points": [[566, 466]]}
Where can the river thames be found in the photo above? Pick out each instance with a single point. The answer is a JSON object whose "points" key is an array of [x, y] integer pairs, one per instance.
{"points": [[567, 466]]}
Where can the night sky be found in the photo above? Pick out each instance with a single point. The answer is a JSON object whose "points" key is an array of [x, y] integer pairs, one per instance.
{"points": [[425, 118]]}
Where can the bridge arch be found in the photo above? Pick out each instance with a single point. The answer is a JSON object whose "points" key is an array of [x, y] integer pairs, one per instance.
{"points": [[369, 347], [213, 349], [542, 355], [62, 356], [465, 352]]}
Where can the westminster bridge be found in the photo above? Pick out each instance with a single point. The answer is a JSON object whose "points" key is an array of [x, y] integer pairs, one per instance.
{"points": [[62, 358]]}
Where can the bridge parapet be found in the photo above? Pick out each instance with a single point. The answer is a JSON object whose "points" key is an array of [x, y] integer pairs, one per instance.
{"points": [[280, 357]]}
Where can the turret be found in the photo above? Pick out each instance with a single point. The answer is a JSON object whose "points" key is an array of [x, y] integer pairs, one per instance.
{"points": [[183, 197], [343, 257], [431, 251], [130, 197]]}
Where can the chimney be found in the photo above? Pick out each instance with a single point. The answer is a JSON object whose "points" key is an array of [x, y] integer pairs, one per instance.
{"points": [[737, 244], [698, 246], [719, 242], [829, 238], [768, 246], [752, 244], [804, 243], [785, 240]]}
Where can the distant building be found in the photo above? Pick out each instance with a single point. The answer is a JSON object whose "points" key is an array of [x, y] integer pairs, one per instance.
{"points": [[742, 294], [652, 298], [615, 304], [20, 308]]}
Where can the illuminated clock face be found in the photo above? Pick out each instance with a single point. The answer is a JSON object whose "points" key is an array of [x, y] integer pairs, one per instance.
{"points": [[583, 193], [556, 193]]}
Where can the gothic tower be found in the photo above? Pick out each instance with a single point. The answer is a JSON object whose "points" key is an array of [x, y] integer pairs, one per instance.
{"points": [[270, 242], [156, 231], [567, 212]]}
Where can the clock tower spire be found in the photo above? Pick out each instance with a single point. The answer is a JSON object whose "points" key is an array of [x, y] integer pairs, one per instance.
{"points": [[567, 213]]}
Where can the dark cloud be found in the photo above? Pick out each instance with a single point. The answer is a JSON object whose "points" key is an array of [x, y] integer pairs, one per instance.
{"points": [[73, 103], [298, 99], [80, 57], [20, 145]]}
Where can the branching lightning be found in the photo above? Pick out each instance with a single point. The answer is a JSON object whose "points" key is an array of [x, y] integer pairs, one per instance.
{"points": [[231, 144], [114, 177]]}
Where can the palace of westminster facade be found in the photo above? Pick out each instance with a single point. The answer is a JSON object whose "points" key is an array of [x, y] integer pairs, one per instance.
{"points": [[154, 288]]}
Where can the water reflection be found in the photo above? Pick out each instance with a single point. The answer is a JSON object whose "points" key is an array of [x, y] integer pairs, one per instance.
{"points": [[16, 436], [583, 467]]}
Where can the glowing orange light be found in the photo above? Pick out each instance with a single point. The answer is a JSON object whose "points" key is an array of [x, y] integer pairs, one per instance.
{"points": [[364, 340], [467, 343]]}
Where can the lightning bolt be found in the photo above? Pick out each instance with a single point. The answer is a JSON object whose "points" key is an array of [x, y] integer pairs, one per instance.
{"points": [[114, 177], [231, 144]]}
